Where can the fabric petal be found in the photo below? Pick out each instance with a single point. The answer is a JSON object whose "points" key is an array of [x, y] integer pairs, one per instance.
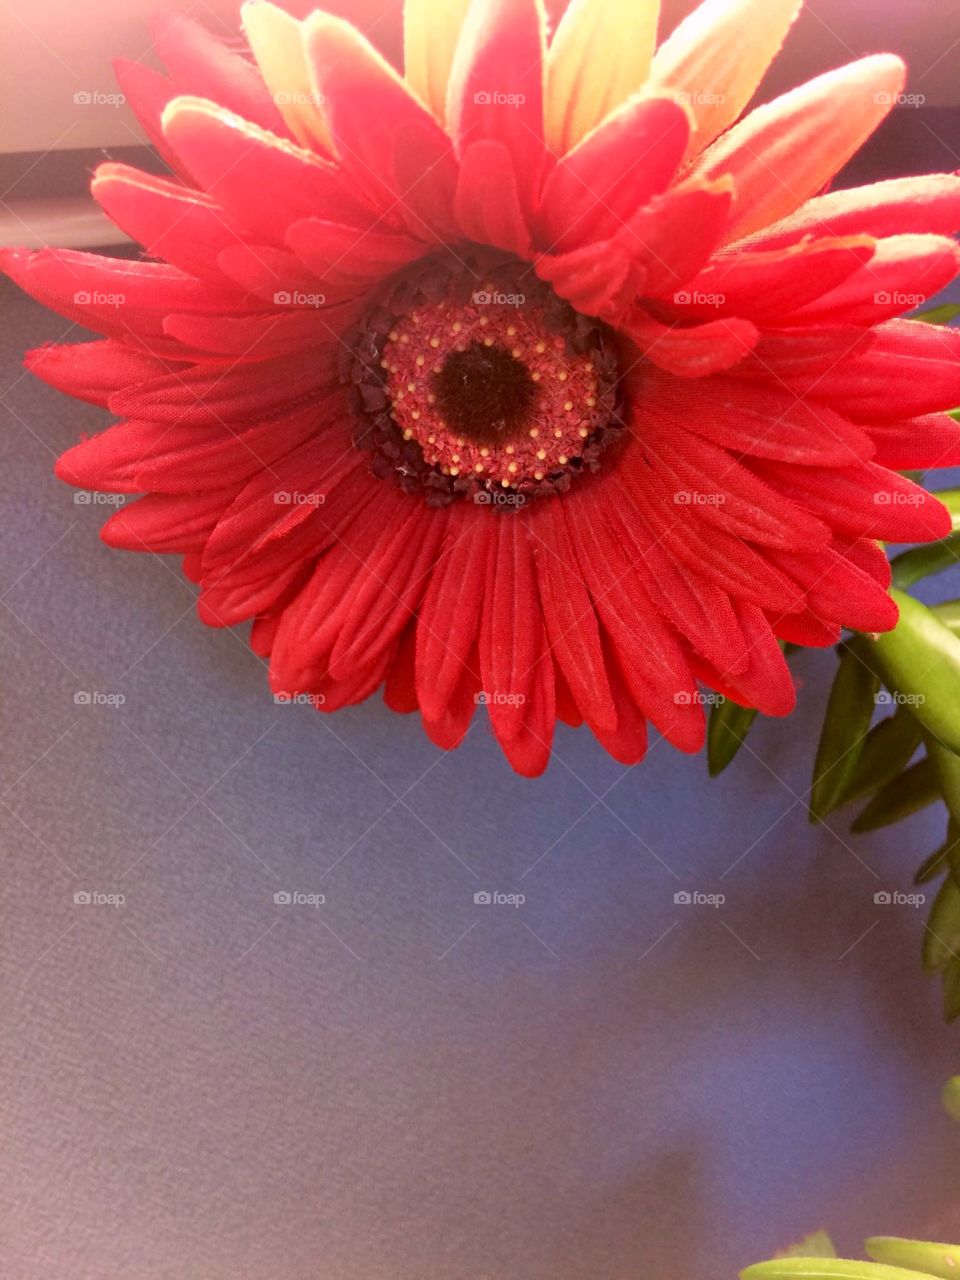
{"points": [[496, 86], [785, 152], [716, 58], [430, 35], [615, 171], [600, 54], [276, 39]]}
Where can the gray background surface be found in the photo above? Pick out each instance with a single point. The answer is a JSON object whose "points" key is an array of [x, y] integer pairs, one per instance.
{"points": [[202, 1085]]}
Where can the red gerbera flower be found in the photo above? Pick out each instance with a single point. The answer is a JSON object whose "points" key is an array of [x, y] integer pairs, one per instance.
{"points": [[536, 377]]}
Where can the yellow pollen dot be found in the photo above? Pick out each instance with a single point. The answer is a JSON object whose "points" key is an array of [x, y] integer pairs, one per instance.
{"points": [[541, 348], [411, 386], [538, 475], [563, 459], [461, 346], [434, 342], [394, 368], [454, 471], [562, 375], [461, 441], [431, 439], [384, 364], [557, 434], [484, 452], [517, 352], [512, 468], [408, 434], [454, 457], [583, 433], [568, 405], [456, 327], [484, 320], [509, 449], [541, 454], [415, 414], [431, 398], [589, 366], [591, 402], [393, 335], [511, 330], [534, 432], [488, 342], [404, 337], [478, 466], [535, 375], [420, 362]]}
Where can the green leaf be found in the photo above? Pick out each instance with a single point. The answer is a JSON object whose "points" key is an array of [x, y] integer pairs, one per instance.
{"points": [[951, 1097], [728, 727], [921, 562], [938, 315], [949, 614], [947, 768], [826, 1269], [951, 992], [933, 1259], [889, 748], [846, 724], [946, 858], [921, 659], [818, 1245], [941, 942], [906, 794]]}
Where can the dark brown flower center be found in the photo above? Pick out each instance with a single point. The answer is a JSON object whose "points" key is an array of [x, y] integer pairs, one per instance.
{"points": [[471, 376]]}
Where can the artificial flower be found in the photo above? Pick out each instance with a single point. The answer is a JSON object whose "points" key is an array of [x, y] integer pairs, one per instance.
{"points": [[539, 376]]}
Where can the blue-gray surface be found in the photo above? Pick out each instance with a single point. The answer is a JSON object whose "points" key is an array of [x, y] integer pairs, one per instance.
{"points": [[400, 1083]]}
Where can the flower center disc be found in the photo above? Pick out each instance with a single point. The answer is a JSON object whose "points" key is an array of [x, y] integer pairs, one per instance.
{"points": [[474, 377]]}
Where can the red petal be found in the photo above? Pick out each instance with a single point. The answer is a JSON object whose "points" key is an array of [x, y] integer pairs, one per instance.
{"points": [[615, 171], [692, 352], [488, 207], [925, 205], [785, 152], [496, 87], [93, 370]]}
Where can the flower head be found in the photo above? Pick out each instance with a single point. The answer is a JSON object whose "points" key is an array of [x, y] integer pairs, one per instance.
{"points": [[539, 377]]}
